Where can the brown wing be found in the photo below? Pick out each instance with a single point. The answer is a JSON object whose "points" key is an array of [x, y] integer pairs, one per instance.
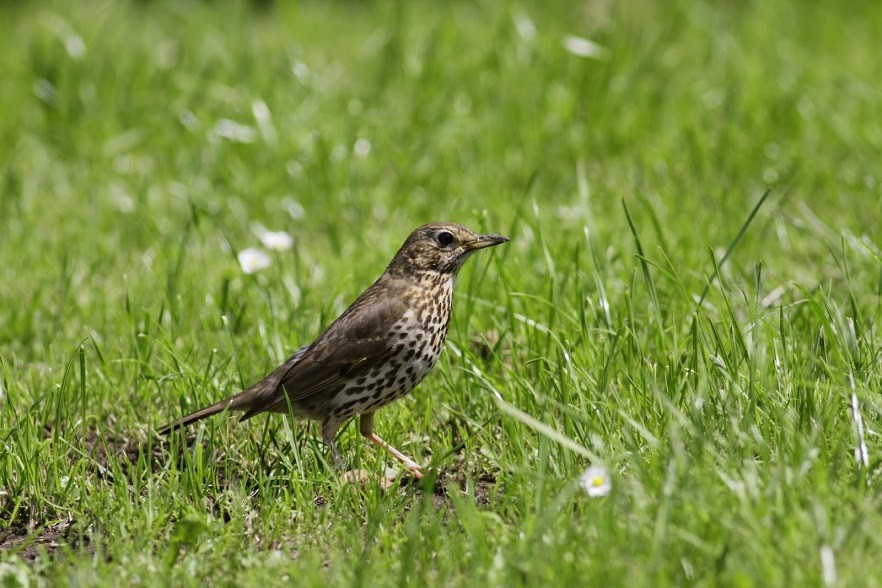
{"points": [[356, 342]]}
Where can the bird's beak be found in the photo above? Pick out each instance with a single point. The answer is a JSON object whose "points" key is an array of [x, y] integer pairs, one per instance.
{"points": [[485, 241]]}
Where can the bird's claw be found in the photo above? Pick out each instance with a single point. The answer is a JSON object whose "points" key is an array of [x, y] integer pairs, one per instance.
{"points": [[414, 468]]}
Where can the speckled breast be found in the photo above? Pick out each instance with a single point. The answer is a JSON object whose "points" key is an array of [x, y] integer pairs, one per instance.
{"points": [[416, 341]]}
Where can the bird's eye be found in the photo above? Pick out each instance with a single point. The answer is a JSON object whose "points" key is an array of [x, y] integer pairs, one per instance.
{"points": [[444, 238]]}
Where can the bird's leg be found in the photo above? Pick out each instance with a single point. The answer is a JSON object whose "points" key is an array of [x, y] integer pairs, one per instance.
{"points": [[329, 432], [366, 426]]}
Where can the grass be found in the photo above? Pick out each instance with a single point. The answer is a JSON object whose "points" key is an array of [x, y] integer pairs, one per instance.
{"points": [[726, 372]]}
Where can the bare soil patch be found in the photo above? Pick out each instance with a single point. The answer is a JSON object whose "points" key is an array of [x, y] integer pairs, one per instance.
{"points": [[30, 543]]}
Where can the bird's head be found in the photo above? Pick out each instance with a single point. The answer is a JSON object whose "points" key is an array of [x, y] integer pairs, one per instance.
{"points": [[440, 248]]}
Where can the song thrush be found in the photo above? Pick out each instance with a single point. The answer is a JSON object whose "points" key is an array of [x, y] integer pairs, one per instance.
{"points": [[377, 351]]}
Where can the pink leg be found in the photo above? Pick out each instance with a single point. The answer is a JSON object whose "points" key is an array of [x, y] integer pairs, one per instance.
{"points": [[367, 430]]}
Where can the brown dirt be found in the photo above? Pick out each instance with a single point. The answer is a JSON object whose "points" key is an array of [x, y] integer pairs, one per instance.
{"points": [[100, 448], [484, 487], [109, 454], [30, 543]]}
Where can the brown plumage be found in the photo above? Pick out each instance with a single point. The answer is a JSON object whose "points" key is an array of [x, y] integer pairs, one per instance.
{"points": [[378, 350]]}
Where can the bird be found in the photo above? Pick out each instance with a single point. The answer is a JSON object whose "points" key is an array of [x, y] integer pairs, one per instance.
{"points": [[376, 351]]}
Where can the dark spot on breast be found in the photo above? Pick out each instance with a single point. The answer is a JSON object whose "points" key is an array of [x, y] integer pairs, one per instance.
{"points": [[346, 406]]}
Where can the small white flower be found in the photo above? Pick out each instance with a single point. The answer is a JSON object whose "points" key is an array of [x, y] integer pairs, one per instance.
{"points": [[45, 91], [75, 46], [582, 47], [276, 240], [188, 119], [253, 260], [362, 147], [300, 71], [525, 27], [294, 209], [234, 131], [596, 481]]}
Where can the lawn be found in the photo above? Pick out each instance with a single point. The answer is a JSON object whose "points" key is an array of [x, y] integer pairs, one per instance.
{"points": [[690, 297]]}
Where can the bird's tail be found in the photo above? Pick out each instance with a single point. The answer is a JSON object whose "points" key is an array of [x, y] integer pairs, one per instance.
{"points": [[227, 403], [254, 400]]}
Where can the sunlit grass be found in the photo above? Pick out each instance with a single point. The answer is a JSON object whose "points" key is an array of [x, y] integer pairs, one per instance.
{"points": [[189, 193]]}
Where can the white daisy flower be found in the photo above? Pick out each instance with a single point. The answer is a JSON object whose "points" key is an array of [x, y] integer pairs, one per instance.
{"points": [[75, 46], [581, 47], [234, 131], [596, 481], [276, 240], [253, 260], [362, 147], [525, 27]]}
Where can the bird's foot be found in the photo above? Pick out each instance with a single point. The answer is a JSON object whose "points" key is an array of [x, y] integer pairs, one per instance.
{"points": [[413, 467]]}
